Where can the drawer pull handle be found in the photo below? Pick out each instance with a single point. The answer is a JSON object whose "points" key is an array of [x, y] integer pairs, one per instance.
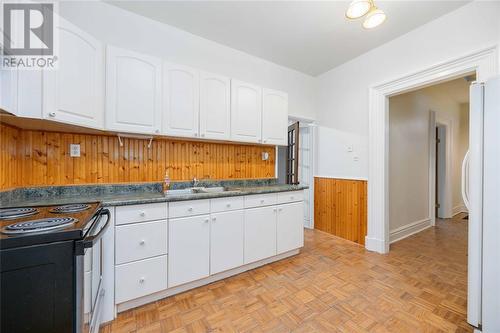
{"points": [[142, 213], [262, 201], [52, 114], [142, 242], [291, 197], [142, 280], [228, 205], [190, 209]]}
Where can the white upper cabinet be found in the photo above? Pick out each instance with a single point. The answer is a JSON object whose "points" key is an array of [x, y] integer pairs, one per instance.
{"points": [[215, 108], [133, 91], [274, 117], [246, 112], [21, 92], [74, 93], [181, 100]]}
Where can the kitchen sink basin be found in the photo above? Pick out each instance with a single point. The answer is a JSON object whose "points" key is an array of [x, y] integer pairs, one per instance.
{"points": [[196, 190]]}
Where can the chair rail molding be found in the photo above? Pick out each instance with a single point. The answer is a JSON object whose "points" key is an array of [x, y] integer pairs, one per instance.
{"points": [[484, 62]]}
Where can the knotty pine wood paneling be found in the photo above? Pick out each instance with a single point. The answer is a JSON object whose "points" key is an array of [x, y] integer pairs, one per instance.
{"points": [[43, 158], [340, 207]]}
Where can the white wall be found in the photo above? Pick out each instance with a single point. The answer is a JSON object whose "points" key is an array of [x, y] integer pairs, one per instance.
{"points": [[409, 135], [342, 93], [128, 30]]}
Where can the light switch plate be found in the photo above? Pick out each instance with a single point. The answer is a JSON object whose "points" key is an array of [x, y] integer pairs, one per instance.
{"points": [[74, 150]]}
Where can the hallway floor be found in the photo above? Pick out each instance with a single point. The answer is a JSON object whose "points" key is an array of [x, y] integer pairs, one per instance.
{"points": [[333, 285]]}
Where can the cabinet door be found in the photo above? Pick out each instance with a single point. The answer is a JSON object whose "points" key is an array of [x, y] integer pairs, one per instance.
{"points": [[133, 91], [188, 249], [290, 227], [215, 108], [226, 241], [74, 93], [21, 92], [181, 100], [274, 117], [260, 233], [246, 112]]}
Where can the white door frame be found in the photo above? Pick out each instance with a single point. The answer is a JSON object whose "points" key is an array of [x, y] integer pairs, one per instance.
{"points": [[447, 204], [483, 62]]}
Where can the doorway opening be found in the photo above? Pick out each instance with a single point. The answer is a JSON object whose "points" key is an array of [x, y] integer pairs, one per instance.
{"points": [[295, 162]]}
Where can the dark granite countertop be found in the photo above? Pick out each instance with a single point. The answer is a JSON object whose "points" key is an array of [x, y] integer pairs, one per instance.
{"points": [[132, 194]]}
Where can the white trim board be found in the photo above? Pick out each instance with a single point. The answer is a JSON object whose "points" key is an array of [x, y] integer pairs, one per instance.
{"points": [[409, 229], [340, 177], [459, 209], [483, 63]]}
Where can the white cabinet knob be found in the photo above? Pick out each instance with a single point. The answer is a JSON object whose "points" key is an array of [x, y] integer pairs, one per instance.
{"points": [[157, 131], [206, 220], [142, 213], [265, 141], [195, 134], [228, 205], [190, 209], [291, 198], [274, 210], [142, 280], [280, 209], [52, 114], [262, 201], [214, 219], [202, 135], [142, 242]]}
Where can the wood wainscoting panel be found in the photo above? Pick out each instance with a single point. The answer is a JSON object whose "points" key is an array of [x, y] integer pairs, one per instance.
{"points": [[31, 158], [340, 207]]}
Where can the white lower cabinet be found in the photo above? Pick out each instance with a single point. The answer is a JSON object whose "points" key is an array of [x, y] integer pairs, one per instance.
{"points": [[226, 241], [189, 249], [140, 278], [290, 227], [140, 240], [260, 233]]}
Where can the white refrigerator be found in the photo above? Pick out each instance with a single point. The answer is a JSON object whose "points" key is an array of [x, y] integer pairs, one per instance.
{"points": [[481, 192]]}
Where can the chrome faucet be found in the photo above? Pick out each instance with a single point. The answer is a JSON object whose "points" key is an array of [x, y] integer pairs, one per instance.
{"points": [[195, 182]]}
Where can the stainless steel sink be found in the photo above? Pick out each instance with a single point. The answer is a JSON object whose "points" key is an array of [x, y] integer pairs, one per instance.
{"points": [[196, 190]]}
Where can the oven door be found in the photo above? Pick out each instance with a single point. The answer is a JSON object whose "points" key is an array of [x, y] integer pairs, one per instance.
{"points": [[90, 290]]}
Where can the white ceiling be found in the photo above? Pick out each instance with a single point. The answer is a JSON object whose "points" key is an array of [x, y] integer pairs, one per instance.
{"points": [[309, 36]]}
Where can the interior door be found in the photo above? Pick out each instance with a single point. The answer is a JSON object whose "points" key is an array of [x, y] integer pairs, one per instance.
{"points": [[475, 240], [292, 154]]}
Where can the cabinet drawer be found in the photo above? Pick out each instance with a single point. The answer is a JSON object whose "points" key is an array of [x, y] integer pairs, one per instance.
{"points": [[188, 208], [226, 204], [140, 241], [292, 196], [141, 213], [140, 278], [260, 200]]}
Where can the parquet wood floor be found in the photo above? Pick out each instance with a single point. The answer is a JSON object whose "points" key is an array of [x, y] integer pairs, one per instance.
{"points": [[333, 286]]}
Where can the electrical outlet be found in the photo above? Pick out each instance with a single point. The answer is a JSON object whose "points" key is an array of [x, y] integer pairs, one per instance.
{"points": [[265, 156], [74, 150]]}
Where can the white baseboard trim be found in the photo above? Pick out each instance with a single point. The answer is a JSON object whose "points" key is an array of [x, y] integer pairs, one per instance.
{"points": [[376, 245], [219, 276], [459, 209], [409, 229]]}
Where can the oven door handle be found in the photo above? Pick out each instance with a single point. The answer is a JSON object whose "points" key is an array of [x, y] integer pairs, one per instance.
{"points": [[89, 241]]}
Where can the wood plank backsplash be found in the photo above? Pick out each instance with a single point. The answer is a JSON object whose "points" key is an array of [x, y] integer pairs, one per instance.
{"points": [[43, 158], [340, 207]]}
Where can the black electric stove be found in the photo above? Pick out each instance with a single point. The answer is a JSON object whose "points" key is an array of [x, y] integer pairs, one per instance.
{"points": [[41, 251]]}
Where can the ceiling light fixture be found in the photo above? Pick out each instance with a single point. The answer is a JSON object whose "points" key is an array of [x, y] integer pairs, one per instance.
{"points": [[374, 18], [358, 9]]}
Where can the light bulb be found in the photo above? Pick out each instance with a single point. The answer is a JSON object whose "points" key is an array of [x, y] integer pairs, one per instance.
{"points": [[374, 18], [358, 8]]}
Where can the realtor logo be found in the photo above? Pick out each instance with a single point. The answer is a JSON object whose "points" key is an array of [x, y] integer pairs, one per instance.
{"points": [[28, 36]]}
